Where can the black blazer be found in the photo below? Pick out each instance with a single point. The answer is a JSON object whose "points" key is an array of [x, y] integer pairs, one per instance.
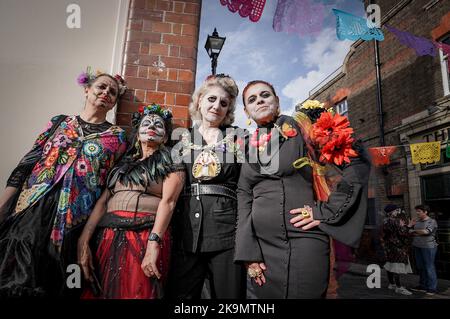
{"points": [[266, 197], [207, 224]]}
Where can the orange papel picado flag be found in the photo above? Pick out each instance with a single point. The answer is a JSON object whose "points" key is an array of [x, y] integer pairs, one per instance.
{"points": [[423, 153], [381, 155]]}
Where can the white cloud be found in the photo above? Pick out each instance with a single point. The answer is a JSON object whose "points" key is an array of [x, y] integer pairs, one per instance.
{"points": [[323, 56]]}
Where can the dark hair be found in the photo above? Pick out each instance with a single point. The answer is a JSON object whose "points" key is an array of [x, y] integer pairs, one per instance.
{"points": [[251, 83], [390, 207], [424, 208]]}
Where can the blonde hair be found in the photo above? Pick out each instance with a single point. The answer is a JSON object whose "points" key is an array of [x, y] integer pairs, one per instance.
{"points": [[224, 82]]}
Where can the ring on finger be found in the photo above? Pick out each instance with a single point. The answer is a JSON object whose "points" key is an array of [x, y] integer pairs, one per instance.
{"points": [[306, 214], [252, 273]]}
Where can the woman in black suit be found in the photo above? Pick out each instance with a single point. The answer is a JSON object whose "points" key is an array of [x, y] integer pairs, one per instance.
{"points": [[205, 220], [283, 233]]}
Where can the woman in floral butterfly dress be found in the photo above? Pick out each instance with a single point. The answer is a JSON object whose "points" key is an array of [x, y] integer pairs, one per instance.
{"points": [[51, 193]]}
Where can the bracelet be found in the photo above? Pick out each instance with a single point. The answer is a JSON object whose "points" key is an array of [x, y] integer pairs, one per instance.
{"points": [[154, 237]]}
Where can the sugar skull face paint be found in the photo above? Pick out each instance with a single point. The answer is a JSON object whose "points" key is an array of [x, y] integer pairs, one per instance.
{"points": [[152, 129]]}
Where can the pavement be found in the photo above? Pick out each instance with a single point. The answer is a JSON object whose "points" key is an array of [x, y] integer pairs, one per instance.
{"points": [[353, 285]]}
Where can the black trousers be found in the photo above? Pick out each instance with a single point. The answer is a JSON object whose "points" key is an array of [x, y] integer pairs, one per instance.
{"points": [[188, 272]]}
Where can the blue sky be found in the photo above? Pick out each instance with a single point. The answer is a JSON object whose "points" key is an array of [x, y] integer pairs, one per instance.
{"points": [[294, 64]]}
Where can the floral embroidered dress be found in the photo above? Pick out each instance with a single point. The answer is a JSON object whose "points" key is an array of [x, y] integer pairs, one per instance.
{"points": [[60, 180], [396, 243]]}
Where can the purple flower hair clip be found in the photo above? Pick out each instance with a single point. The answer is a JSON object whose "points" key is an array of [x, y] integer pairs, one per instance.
{"points": [[83, 79], [89, 76]]}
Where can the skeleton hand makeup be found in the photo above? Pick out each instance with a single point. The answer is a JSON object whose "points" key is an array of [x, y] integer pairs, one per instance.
{"points": [[152, 129]]}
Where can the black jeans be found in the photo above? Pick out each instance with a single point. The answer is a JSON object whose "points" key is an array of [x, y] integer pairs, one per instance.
{"points": [[188, 272]]}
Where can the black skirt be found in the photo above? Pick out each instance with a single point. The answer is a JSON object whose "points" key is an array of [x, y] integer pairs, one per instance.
{"points": [[30, 265]]}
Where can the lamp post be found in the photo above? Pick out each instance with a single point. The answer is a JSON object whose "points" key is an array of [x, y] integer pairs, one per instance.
{"points": [[213, 46]]}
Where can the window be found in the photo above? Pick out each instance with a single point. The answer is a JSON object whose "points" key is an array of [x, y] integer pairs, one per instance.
{"points": [[436, 187], [342, 107], [445, 66]]}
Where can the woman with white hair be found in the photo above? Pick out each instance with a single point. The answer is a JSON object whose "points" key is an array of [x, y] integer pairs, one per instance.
{"points": [[204, 223]]}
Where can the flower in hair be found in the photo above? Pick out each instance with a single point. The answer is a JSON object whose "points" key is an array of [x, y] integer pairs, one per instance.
{"points": [[121, 81], [155, 109], [83, 79], [88, 76], [147, 110]]}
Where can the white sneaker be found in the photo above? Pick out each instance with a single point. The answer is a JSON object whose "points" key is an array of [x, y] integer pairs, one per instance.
{"points": [[403, 291], [392, 286]]}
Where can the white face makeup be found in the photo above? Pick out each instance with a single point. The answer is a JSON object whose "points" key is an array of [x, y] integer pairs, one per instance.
{"points": [[261, 104], [214, 105], [152, 129], [103, 93]]}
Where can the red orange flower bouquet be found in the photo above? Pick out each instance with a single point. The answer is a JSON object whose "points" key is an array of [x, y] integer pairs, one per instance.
{"points": [[333, 135]]}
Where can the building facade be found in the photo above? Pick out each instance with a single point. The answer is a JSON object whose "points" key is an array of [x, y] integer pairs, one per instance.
{"points": [[47, 44], [160, 57], [415, 108]]}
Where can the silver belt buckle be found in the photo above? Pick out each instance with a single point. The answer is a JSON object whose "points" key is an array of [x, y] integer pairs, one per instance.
{"points": [[196, 192]]}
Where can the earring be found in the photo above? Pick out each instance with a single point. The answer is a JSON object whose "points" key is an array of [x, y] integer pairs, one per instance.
{"points": [[249, 122]]}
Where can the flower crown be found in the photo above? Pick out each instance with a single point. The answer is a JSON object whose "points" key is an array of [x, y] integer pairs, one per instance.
{"points": [[89, 76], [150, 109]]}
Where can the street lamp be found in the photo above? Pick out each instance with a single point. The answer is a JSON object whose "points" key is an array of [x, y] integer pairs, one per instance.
{"points": [[213, 46]]}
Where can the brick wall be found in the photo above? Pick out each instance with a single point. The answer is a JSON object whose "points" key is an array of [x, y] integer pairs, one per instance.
{"points": [[409, 85], [160, 57]]}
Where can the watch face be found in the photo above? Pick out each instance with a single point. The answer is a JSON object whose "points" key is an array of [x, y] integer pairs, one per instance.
{"points": [[154, 237]]}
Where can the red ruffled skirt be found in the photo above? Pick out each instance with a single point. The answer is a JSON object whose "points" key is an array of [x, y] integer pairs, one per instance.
{"points": [[118, 263]]}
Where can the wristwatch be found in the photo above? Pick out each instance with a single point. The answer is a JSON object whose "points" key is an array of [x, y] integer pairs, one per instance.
{"points": [[154, 237]]}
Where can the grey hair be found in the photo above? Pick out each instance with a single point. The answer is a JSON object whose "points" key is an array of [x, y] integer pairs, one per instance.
{"points": [[224, 82]]}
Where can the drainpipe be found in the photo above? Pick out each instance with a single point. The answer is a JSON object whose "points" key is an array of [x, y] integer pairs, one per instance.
{"points": [[379, 95]]}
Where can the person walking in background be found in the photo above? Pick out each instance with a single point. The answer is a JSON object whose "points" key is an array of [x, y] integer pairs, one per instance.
{"points": [[396, 241], [424, 231]]}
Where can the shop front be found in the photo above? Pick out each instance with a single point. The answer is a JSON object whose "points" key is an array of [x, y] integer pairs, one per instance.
{"points": [[430, 183]]}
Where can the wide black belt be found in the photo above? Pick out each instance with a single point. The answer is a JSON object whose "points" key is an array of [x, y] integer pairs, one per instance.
{"points": [[198, 189]]}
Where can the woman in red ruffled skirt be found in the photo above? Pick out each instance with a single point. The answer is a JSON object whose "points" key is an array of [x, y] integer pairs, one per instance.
{"points": [[131, 218]]}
